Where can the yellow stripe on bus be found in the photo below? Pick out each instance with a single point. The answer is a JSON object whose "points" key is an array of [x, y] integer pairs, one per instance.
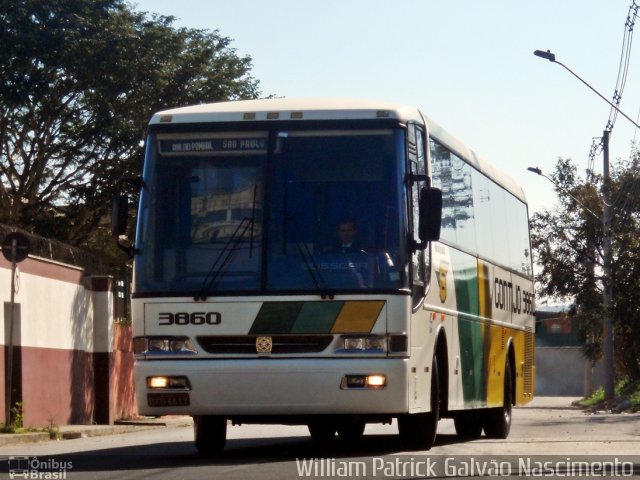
{"points": [[497, 361], [358, 316]]}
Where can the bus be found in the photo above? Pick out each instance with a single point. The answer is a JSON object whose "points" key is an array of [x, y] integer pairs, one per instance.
{"points": [[247, 307]]}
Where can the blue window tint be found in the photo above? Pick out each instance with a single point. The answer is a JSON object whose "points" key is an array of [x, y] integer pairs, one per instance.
{"points": [[335, 212], [335, 208], [201, 218]]}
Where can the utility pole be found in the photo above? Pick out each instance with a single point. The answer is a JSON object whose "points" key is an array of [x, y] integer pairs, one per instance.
{"points": [[607, 297], [607, 284]]}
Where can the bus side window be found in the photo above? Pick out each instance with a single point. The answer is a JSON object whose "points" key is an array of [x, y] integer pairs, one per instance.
{"points": [[417, 168]]}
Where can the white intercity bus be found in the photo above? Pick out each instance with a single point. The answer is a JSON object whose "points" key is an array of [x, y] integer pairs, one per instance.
{"points": [[329, 263]]}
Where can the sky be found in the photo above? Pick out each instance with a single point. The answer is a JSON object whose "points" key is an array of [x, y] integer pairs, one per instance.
{"points": [[469, 65]]}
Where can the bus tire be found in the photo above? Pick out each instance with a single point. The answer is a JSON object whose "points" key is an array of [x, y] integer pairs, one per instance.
{"points": [[468, 425], [497, 422], [322, 432], [418, 431], [210, 433], [350, 431]]}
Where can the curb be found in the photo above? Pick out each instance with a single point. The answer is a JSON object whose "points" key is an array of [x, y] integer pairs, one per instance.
{"points": [[7, 439], [73, 432]]}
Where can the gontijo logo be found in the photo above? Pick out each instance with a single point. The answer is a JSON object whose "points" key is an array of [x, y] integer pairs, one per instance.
{"points": [[442, 279]]}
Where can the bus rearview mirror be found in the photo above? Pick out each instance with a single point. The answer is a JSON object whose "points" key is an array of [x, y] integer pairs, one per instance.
{"points": [[430, 214], [119, 215]]}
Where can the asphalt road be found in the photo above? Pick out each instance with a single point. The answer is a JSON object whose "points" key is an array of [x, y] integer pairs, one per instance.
{"points": [[544, 432]]}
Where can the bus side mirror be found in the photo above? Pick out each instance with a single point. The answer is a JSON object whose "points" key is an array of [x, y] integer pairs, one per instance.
{"points": [[119, 215], [430, 214]]}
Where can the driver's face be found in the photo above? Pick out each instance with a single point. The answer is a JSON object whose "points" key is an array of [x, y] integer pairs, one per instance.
{"points": [[347, 232]]}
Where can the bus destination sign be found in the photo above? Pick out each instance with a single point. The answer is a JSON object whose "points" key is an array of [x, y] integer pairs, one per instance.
{"points": [[213, 145]]}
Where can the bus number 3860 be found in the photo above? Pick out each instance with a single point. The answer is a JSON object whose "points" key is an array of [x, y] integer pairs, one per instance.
{"points": [[185, 318]]}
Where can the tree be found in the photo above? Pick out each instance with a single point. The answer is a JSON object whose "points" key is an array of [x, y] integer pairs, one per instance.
{"points": [[79, 80], [567, 241]]}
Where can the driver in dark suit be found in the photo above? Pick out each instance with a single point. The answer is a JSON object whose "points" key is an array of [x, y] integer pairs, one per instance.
{"points": [[348, 235]]}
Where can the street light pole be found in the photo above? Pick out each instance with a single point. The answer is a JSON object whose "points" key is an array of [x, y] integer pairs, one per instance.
{"points": [[607, 295], [537, 171], [552, 58]]}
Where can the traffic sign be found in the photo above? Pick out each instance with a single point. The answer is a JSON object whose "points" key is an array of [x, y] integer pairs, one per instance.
{"points": [[22, 247]]}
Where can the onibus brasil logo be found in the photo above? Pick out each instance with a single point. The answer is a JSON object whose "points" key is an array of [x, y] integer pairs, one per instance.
{"points": [[34, 468]]}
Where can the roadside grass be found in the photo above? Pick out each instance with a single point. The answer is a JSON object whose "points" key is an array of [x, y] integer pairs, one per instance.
{"points": [[52, 430], [17, 424], [627, 398]]}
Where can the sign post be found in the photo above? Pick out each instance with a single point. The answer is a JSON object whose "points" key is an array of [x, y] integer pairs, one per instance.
{"points": [[15, 248]]}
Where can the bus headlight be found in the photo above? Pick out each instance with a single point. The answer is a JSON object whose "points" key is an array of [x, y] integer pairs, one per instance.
{"points": [[164, 382], [373, 381], [365, 343], [163, 346]]}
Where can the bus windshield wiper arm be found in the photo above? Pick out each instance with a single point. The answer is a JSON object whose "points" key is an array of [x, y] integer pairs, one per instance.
{"points": [[224, 257], [309, 261]]}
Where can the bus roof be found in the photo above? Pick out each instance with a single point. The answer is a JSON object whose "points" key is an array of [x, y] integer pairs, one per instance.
{"points": [[301, 109], [288, 109]]}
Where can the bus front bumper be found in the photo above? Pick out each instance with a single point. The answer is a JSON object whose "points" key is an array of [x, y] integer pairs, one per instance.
{"points": [[267, 387]]}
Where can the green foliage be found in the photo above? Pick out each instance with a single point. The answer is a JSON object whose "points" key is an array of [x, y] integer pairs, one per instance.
{"points": [[17, 420], [595, 399], [79, 80], [52, 429], [626, 391], [17, 424], [567, 241]]}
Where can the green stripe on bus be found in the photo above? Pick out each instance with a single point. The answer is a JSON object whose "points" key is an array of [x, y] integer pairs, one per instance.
{"points": [[317, 317], [276, 317], [354, 316], [471, 333]]}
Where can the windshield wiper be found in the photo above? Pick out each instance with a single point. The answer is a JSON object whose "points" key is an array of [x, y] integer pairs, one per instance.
{"points": [[224, 257], [309, 261]]}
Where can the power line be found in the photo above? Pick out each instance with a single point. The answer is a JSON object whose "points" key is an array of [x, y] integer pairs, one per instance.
{"points": [[623, 70]]}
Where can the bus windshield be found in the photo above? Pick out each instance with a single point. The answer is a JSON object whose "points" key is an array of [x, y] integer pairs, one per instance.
{"points": [[272, 211]]}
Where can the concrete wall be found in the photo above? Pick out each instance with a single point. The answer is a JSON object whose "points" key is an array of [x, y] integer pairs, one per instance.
{"points": [[72, 363], [564, 371]]}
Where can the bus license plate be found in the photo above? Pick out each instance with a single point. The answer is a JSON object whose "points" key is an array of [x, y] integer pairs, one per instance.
{"points": [[178, 399]]}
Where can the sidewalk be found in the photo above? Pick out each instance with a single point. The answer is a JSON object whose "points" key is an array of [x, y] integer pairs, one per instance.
{"points": [[70, 432], [552, 402]]}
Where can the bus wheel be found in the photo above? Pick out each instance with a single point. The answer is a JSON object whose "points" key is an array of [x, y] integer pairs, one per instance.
{"points": [[210, 434], [322, 432], [497, 422], [351, 430], [418, 431], [468, 425]]}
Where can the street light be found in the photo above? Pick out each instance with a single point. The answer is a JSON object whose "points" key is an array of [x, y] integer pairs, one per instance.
{"points": [[552, 58], [607, 296], [537, 171]]}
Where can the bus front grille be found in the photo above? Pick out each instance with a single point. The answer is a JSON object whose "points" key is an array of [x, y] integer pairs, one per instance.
{"points": [[247, 344]]}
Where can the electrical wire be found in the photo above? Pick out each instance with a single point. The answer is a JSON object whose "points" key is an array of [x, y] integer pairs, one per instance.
{"points": [[635, 132], [596, 148], [623, 70]]}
